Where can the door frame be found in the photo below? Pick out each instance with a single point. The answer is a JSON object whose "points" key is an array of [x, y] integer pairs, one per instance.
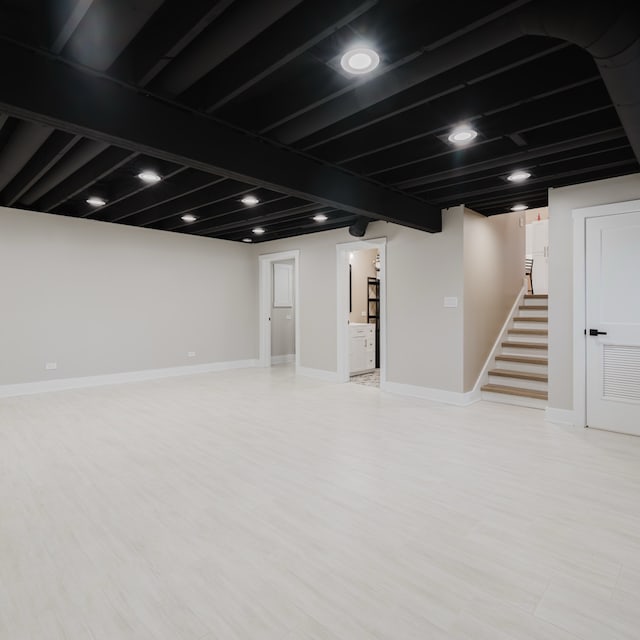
{"points": [[580, 217], [265, 283], [342, 304]]}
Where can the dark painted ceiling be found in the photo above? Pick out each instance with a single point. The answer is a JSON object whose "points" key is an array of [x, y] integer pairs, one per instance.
{"points": [[203, 78]]}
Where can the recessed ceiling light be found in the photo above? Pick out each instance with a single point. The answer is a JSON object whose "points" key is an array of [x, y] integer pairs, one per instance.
{"points": [[258, 231], [247, 240], [462, 135], [150, 177], [188, 217], [519, 176], [320, 218], [360, 60], [519, 207], [94, 201], [250, 201]]}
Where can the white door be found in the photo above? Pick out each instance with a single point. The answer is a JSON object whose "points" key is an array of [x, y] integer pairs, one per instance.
{"points": [[613, 322]]}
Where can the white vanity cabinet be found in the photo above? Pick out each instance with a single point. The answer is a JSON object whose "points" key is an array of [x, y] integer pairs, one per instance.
{"points": [[362, 348]]}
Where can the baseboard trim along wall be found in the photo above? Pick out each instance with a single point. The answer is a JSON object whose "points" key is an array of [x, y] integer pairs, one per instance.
{"points": [[318, 374], [560, 416], [288, 359], [63, 384], [437, 395]]}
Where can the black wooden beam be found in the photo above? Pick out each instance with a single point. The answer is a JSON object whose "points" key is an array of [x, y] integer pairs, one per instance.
{"points": [[84, 103], [54, 148], [289, 38], [65, 17]]}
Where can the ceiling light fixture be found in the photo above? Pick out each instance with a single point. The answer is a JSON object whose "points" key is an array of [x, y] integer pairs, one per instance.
{"points": [[150, 177], [462, 135], [247, 240], [360, 60], [188, 217], [520, 207], [320, 218], [518, 176], [94, 201], [250, 201], [258, 231]]}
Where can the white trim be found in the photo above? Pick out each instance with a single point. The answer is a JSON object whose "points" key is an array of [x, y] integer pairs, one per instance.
{"points": [[437, 395], [560, 416], [342, 304], [317, 374], [264, 288], [288, 359], [61, 384], [579, 299], [484, 374]]}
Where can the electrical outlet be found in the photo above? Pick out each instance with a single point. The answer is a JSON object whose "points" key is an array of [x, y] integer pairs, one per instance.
{"points": [[50, 366], [191, 354], [451, 302], [363, 314]]}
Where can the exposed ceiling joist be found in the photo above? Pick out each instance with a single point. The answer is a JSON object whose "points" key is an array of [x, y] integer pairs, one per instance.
{"points": [[170, 30], [522, 156], [86, 104], [237, 26], [296, 33], [67, 15], [102, 165], [54, 148]]}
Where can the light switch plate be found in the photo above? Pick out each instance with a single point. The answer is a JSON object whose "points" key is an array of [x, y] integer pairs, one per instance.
{"points": [[50, 366], [451, 302], [191, 354]]}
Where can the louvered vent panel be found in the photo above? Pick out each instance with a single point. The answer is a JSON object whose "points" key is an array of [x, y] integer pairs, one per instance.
{"points": [[621, 372]]}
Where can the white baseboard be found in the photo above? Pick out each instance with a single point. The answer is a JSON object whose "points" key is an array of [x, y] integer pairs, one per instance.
{"points": [[560, 416], [62, 384], [288, 359], [437, 395], [318, 374]]}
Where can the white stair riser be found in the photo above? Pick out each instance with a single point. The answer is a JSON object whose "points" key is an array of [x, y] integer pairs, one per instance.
{"points": [[533, 313], [522, 323], [535, 302], [517, 382], [514, 400], [519, 351], [521, 366], [526, 337]]}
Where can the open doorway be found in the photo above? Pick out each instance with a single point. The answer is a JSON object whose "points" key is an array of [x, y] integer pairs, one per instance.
{"points": [[279, 324], [537, 251], [361, 312]]}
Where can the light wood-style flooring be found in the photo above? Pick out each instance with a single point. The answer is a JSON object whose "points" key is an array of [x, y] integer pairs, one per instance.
{"points": [[255, 505]]}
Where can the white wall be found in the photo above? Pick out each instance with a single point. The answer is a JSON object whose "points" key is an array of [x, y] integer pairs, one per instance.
{"points": [[562, 201], [424, 338], [493, 278], [101, 298]]}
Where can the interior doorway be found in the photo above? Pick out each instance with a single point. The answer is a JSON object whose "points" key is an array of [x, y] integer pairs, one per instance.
{"points": [[537, 250], [361, 312], [279, 318]]}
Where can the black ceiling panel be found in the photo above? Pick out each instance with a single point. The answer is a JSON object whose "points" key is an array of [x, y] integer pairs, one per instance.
{"points": [[252, 95]]}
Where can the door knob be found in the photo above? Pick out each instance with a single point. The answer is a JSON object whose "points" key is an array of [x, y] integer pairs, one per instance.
{"points": [[595, 332]]}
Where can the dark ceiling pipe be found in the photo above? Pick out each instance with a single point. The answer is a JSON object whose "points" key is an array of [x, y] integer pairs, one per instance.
{"points": [[610, 32], [359, 227]]}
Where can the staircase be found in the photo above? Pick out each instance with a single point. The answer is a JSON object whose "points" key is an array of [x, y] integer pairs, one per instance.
{"points": [[519, 372]]}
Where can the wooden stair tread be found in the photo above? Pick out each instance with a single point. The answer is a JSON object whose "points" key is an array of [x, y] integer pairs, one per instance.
{"points": [[531, 319], [536, 296], [534, 307], [529, 332], [520, 375], [515, 391], [525, 345], [523, 359]]}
